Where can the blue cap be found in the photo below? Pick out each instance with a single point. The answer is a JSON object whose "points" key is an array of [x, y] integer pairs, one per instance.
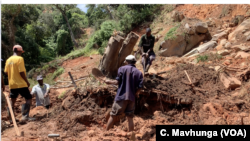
{"points": [[2, 59]]}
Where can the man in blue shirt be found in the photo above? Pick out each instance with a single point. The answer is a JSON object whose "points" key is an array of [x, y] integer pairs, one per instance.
{"points": [[130, 81]]}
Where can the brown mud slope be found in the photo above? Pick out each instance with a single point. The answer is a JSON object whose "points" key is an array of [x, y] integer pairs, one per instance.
{"points": [[83, 114]]}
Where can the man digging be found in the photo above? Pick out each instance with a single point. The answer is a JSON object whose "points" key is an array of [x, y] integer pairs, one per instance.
{"points": [[18, 82], [146, 46], [130, 82], [41, 90]]}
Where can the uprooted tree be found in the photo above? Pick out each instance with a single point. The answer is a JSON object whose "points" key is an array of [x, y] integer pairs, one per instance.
{"points": [[116, 52]]}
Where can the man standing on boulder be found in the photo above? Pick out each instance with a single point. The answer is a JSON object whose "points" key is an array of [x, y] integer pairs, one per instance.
{"points": [[18, 82], [41, 91], [146, 46], [130, 81]]}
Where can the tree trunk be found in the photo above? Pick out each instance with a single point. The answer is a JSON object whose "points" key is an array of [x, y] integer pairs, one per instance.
{"points": [[110, 14], [109, 61], [70, 30], [127, 47]]}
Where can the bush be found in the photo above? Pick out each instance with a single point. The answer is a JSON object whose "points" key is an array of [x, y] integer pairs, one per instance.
{"points": [[101, 37]]}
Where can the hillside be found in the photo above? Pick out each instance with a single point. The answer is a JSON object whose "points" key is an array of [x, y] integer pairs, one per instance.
{"points": [[210, 42]]}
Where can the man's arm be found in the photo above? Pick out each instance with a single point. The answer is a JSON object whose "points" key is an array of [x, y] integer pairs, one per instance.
{"points": [[140, 46], [33, 91], [24, 78], [22, 70], [140, 86], [47, 91], [3, 87], [112, 82]]}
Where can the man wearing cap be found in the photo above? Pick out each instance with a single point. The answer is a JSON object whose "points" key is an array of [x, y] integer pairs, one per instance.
{"points": [[130, 81], [18, 82], [146, 49], [41, 91]]}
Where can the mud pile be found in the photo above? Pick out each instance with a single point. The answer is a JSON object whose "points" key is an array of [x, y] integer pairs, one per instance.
{"points": [[206, 83]]}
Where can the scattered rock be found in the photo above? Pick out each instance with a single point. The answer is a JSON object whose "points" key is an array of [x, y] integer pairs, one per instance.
{"points": [[177, 16], [238, 31], [219, 47], [223, 52], [91, 133], [233, 55], [223, 42], [221, 35], [228, 45], [90, 57], [241, 47], [216, 68], [242, 54], [230, 82], [248, 38], [227, 62], [201, 27]]}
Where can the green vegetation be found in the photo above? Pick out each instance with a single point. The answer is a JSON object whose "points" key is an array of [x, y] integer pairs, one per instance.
{"points": [[58, 72], [172, 33], [57, 31], [202, 58], [62, 95]]}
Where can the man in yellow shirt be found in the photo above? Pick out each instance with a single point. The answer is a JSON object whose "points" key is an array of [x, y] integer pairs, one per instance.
{"points": [[18, 82]]}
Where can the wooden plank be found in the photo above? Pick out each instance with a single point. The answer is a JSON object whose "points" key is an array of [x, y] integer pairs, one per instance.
{"points": [[12, 114]]}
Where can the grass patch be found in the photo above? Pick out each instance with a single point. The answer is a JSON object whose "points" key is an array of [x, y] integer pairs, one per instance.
{"points": [[81, 52], [172, 33], [169, 8], [202, 58], [58, 72], [62, 95], [45, 67]]}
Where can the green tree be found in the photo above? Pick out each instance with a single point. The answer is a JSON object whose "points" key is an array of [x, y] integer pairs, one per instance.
{"points": [[63, 8]]}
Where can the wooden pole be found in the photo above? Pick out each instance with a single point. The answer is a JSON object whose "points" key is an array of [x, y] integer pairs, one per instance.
{"points": [[12, 114], [188, 77]]}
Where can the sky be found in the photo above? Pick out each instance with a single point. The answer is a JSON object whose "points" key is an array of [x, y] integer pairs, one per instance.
{"points": [[82, 7]]}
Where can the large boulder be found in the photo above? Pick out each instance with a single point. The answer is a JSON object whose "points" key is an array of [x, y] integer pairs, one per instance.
{"points": [[174, 47], [201, 27], [186, 39], [177, 16], [237, 33]]}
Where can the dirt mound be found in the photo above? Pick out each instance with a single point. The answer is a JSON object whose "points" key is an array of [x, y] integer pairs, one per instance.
{"points": [[205, 80]]}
